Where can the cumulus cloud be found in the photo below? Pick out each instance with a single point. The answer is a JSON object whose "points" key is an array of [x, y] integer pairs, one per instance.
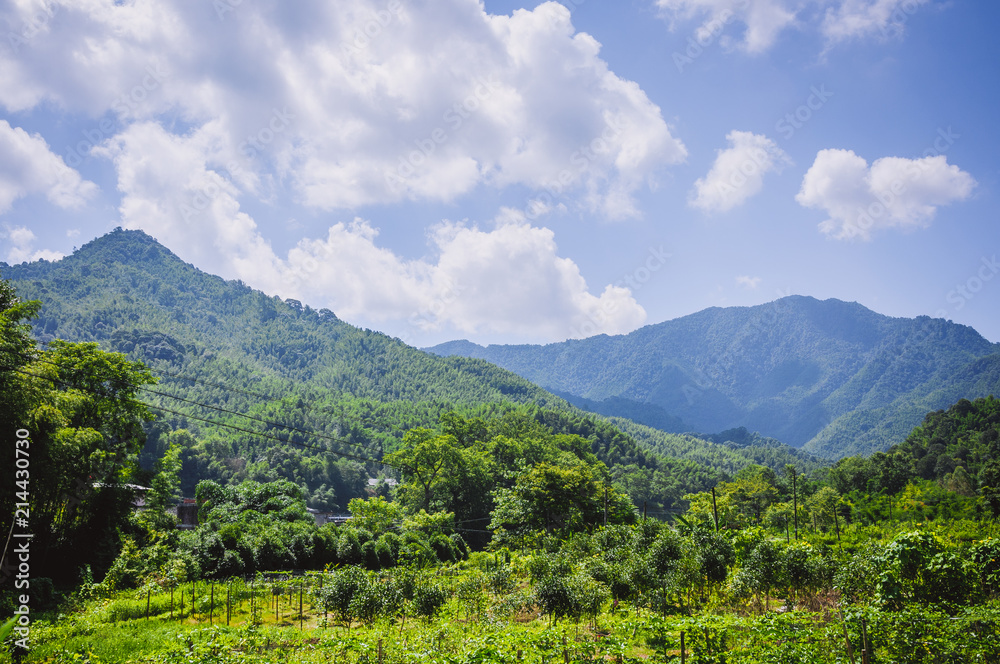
{"points": [[863, 18], [29, 167], [506, 280], [894, 192], [738, 172], [765, 20], [208, 110], [22, 243], [358, 102]]}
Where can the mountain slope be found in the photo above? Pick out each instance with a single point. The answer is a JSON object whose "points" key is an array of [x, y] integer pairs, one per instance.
{"points": [[224, 352], [830, 376]]}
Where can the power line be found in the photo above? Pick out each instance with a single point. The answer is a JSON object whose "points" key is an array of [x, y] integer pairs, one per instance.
{"points": [[265, 435], [314, 434], [213, 422], [261, 395]]}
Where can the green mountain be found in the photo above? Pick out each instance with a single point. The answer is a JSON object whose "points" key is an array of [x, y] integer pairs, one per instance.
{"points": [[831, 377], [303, 395]]}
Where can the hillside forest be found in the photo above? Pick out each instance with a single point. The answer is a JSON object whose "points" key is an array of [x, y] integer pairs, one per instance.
{"points": [[490, 521]]}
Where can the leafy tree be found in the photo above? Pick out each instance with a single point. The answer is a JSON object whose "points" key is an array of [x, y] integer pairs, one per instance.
{"points": [[77, 408], [556, 498], [377, 515], [425, 461], [166, 481], [823, 505]]}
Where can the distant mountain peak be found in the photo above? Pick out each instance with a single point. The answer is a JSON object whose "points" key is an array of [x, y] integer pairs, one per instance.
{"points": [[830, 375]]}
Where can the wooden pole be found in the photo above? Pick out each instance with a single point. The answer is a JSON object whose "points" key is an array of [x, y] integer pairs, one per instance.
{"points": [[229, 587], [715, 510], [301, 617], [836, 523], [211, 603], [847, 639], [171, 602], [149, 593], [795, 505], [192, 600], [605, 506], [864, 642], [682, 648]]}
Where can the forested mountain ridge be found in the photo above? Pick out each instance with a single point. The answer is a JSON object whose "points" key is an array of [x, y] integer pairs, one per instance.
{"points": [[832, 377], [224, 351]]}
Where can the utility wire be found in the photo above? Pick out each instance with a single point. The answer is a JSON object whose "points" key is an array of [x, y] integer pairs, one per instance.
{"points": [[315, 434], [214, 422], [262, 395], [265, 435]]}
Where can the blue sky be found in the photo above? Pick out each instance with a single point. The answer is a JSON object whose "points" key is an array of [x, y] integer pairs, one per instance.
{"points": [[519, 173]]}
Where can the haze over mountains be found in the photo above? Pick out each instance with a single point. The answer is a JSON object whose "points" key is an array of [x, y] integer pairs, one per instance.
{"points": [[831, 377]]}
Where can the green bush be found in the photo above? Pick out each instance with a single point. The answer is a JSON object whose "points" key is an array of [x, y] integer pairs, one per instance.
{"points": [[428, 599]]}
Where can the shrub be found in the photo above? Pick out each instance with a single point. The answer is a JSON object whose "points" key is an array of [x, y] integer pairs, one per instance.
{"points": [[369, 556], [428, 600]]}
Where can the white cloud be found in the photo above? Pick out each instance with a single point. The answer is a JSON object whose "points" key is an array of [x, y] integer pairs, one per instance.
{"points": [[22, 241], [764, 20], [508, 280], [29, 167], [863, 18], [738, 172], [748, 282], [175, 188], [894, 193], [358, 102]]}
